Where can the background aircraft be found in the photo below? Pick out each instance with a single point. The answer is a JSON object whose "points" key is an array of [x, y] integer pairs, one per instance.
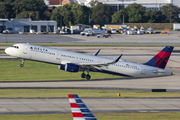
{"points": [[74, 62], [79, 110]]}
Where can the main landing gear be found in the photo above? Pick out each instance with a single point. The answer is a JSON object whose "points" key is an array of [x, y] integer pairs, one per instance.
{"points": [[83, 75], [22, 65]]}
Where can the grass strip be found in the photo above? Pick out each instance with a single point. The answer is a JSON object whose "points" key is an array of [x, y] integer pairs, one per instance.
{"points": [[2, 52], [62, 93], [99, 116], [10, 70]]}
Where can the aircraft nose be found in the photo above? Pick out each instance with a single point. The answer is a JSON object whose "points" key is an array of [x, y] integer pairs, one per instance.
{"points": [[7, 50]]}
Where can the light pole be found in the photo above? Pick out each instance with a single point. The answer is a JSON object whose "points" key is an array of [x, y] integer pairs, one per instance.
{"points": [[89, 16], [170, 18], [123, 18], [29, 16], [61, 16], [16, 13], [107, 13]]}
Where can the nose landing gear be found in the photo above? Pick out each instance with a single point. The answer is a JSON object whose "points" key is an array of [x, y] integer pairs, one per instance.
{"points": [[22, 65]]}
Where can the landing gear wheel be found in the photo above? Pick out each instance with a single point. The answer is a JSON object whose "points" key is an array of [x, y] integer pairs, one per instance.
{"points": [[88, 77], [21, 65], [83, 75]]}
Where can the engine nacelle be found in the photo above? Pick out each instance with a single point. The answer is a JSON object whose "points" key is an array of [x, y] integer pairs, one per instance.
{"points": [[69, 67], [61, 67]]}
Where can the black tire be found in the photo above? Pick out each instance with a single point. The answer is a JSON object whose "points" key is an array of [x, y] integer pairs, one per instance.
{"points": [[88, 77], [21, 65], [83, 75]]}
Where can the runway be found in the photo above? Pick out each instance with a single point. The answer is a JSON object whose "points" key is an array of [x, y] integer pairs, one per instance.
{"points": [[134, 54], [146, 39], [101, 105], [96, 105]]}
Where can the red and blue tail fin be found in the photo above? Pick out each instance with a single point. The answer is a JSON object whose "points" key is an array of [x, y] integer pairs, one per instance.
{"points": [[79, 110], [160, 60]]}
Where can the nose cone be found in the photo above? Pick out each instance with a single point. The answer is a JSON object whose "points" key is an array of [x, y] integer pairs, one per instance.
{"points": [[7, 50]]}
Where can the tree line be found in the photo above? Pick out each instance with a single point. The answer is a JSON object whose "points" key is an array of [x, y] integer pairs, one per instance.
{"points": [[74, 13]]}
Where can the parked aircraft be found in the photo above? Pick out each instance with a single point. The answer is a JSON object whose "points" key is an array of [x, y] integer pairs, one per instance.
{"points": [[79, 110], [74, 62]]}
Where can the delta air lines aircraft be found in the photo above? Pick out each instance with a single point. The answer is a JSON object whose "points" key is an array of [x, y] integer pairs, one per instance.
{"points": [[74, 62]]}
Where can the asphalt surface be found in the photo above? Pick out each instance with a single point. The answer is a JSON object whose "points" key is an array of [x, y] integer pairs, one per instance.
{"points": [[99, 105], [154, 39], [96, 105]]}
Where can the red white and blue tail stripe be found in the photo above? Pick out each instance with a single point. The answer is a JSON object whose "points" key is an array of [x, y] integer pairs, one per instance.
{"points": [[160, 60], [79, 110]]}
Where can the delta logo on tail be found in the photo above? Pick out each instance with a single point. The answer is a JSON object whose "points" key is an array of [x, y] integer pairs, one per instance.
{"points": [[160, 60], [79, 110]]}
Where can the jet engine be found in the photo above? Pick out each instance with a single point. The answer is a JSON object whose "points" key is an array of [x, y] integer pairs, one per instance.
{"points": [[69, 67]]}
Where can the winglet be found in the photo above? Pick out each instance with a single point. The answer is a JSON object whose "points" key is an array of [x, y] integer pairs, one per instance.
{"points": [[95, 54], [79, 110], [118, 58]]}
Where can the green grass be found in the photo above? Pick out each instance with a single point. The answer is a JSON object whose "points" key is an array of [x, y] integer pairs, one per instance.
{"points": [[49, 93], [99, 116], [10, 70], [2, 52]]}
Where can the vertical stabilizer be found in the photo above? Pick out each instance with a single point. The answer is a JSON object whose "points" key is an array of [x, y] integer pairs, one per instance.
{"points": [[160, 60], [79, 110]]}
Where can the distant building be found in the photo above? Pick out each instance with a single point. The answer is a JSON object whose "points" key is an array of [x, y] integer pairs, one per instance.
{"points": [[25, 25], [117, 5], [56, 3], [52, 4]]}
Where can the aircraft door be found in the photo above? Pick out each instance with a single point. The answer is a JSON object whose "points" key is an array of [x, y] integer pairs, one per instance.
{"points": [[58, 56], [25, 50], [143, 70]]}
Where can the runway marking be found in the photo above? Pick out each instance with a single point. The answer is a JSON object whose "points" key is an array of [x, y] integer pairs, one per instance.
{"points": [[175, 68], [174, 61]]}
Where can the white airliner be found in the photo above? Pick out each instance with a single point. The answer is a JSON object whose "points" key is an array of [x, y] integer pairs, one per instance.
{"points": [[74, 62], [79, 110]]}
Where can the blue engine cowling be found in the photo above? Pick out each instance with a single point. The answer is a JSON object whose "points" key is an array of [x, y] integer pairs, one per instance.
{"points": [[70, 67]]}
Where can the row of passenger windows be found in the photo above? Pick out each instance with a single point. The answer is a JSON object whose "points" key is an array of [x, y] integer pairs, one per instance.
{"points": [[125, 66], [15, 47], [77, 58]]}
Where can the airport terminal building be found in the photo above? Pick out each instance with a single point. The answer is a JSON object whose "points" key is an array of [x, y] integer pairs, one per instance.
{"points": [[25, 25], [120, 4], [117, 5]]}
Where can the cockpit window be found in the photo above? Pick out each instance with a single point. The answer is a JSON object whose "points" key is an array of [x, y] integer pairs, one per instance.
{"points": [[17, 47]]}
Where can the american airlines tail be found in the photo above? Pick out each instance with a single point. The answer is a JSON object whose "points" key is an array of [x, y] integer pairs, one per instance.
{"points": [[160, 60], [79, 110]]}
